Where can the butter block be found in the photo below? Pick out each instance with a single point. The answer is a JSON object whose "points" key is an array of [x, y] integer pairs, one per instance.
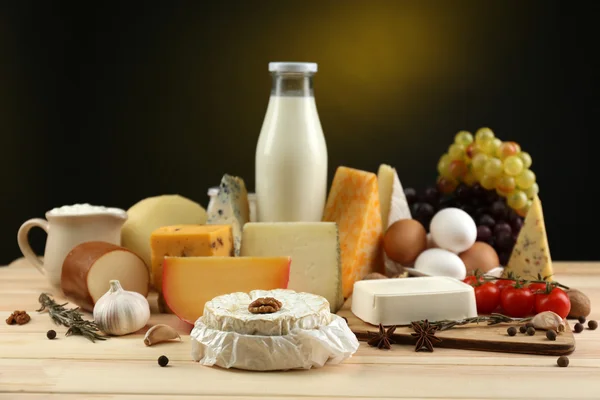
{"points": [[231, 207], [401, 301], [315, 251], [188, 241], [353, 203], [531, 254]]}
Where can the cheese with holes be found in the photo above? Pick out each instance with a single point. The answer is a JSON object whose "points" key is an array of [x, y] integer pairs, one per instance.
{"points": [[531, 254], [231, 208], [394, 207], [353, 203], [187, 241], [153, 212], [315, 251], [298, 311], [189, 282]]}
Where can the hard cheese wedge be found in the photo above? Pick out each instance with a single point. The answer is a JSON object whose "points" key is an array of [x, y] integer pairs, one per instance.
{"points": [[189, 282], [187, 241], [531, 254], [153, 212], [231, 208], [315, 251], [353, 203], [394, 207]]}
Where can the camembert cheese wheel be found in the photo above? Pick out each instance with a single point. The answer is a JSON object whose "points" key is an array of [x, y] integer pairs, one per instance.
{"points": [[299, 311]]}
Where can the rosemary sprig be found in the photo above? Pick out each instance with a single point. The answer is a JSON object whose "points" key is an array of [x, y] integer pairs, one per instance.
{"points": [[492, 319], [71, 318]]}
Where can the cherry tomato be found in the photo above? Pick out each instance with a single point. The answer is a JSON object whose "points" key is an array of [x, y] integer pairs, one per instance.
{"points": [[537, 287], [517, 302], [504, 283], [472, 280], [487, 298], [556, 301]]}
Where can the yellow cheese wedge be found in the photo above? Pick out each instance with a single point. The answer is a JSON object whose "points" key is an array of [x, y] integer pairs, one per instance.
{"points": [[353, 203], [189, 282], [153, 212], [531, 254], [188, 241]]}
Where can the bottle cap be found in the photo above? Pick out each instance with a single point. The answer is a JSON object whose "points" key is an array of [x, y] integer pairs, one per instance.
{"points": [[292, 67]]}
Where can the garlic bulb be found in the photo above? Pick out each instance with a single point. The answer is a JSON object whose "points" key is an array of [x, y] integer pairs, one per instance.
{"points": [[120, 312]]}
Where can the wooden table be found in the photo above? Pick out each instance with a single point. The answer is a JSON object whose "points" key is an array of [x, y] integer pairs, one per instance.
{"points": [[69, 368]]}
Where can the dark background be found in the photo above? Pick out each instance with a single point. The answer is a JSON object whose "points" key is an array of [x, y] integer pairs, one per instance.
{"points": [[116, 101]]}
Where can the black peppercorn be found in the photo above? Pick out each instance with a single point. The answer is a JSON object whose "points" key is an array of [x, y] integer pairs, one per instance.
{"points": [[581, 320], [531, 331], [562, 361], [551, 335], [512, 331], [593, 325], [522, 329], [529, 325], [51, 334], [578, 327], [163, 361]]}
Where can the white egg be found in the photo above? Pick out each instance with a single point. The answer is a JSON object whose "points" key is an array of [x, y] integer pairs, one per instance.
{"points": [[440, 262], [453, 229]]}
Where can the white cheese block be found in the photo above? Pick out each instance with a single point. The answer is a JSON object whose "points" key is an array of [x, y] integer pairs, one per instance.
{"points": [[301, 349], [231, 208], [315, 251], [402, 301], [394, 207], [299, 311]]}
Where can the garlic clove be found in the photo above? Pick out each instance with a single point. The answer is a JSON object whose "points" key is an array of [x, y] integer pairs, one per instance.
{"points": [[548, 320], [121, 312], [160, 333]]}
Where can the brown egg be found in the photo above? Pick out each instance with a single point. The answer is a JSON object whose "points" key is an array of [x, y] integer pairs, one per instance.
{"points": [[404, 240], [480, 256]]}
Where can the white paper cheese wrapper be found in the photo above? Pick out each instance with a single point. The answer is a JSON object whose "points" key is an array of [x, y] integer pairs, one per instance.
{"points": [[300, 349]]}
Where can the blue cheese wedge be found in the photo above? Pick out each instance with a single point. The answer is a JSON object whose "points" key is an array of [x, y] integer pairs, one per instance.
{"points": [[394, 207], [531, 255], [299, 311], [315, 251], [231, 207]]}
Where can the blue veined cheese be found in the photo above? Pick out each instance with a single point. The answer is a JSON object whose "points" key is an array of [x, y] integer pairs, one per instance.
{"points": [[229, 313], [315, 251], [394, 207], [531, 255], [231, 208]]}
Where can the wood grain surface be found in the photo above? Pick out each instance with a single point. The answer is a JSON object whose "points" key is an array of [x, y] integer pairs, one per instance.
{"points": [[69, 368]]}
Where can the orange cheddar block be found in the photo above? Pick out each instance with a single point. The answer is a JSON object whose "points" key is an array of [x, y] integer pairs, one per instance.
{"points": [[187, 241], [189, 282], [353, 203]]}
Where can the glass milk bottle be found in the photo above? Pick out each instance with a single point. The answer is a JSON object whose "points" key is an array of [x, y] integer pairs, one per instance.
{"points": [[291, 154]]}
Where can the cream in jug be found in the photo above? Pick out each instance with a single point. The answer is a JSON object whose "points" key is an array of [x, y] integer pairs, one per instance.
{"points": [[67, 227], [291, 154]]}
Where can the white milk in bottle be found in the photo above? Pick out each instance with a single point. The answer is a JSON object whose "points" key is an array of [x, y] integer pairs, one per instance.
{"points": [[291, 155]]}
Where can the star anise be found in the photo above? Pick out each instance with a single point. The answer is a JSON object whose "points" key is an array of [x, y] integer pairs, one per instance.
{"points": [[383, 339], [426, 335]]}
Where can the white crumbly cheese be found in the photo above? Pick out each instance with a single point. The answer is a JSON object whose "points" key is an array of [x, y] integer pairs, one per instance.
{"points": [[394, 206], [315, 251], [85, 208], [299, 311], [231, 208]]}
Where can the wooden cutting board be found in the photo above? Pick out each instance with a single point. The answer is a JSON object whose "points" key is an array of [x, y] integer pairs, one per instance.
{"points": [[473, 337]]}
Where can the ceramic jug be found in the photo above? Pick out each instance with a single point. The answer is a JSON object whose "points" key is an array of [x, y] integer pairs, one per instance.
{"points": [[67, 227]]}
